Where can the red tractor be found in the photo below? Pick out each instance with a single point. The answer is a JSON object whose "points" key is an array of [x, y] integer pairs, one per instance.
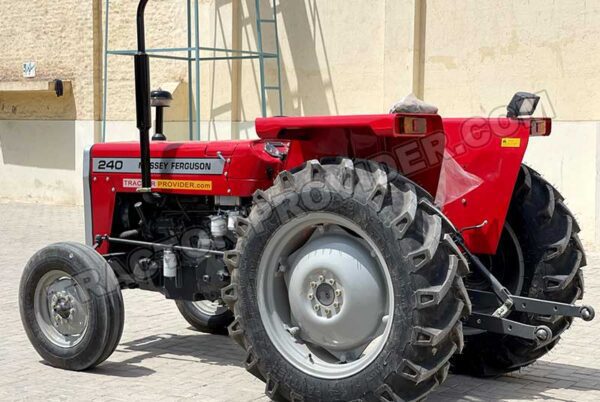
{"points": [[352, 257]]}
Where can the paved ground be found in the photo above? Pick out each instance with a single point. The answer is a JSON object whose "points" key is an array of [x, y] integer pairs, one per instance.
{"points": [[161, 358]]}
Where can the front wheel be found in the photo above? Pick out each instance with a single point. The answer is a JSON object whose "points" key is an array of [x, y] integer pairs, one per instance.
{"points": [[71, 306], [345, 288]]}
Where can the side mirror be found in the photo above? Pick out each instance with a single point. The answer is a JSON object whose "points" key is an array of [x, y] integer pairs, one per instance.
{"points": [[160, 99], [522, 104]]}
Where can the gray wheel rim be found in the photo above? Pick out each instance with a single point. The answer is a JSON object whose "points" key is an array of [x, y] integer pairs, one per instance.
{"points": [[61, 309], [211, 308], [327, 260]]}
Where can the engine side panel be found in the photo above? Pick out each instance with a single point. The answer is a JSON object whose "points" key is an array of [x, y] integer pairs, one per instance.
{"points": [[221, 168]]}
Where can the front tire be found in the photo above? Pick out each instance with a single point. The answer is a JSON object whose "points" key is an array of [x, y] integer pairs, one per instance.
{"points": [[71, 306], [553, 256], [308, 247]]}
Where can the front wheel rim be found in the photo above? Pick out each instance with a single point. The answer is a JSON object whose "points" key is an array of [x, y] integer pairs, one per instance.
{"points": [[310, 302], [61, 309]]}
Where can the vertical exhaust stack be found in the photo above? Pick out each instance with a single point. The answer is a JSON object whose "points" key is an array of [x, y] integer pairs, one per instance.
{"points": [[142, 99]]}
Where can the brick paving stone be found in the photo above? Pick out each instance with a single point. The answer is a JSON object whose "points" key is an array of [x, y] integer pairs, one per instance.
{"points": [[160, 357]]}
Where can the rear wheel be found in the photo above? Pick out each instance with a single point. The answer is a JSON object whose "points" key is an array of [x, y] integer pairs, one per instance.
{"points": [[344, 288], [205, 315], [71, 306], [552, 256]]}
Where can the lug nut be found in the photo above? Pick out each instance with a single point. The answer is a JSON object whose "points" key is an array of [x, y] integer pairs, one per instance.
{"points": [[331, 281], [338, 292], [336, 304], [317, 307], [310, 296], [321, 278], [313, 284], [327, 311]]}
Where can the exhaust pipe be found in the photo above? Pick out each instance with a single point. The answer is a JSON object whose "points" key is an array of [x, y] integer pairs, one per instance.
{"points": [[142, 99]]}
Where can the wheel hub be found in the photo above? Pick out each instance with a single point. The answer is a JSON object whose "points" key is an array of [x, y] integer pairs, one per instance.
{"points": [[334, 284], [60, 309], [325, 294], [62, 305]]}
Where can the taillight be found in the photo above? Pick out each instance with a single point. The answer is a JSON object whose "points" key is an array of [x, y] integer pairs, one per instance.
{"points": [[413, 125], [540, 127]]}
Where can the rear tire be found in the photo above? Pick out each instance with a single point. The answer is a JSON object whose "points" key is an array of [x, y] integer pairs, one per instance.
{"points": [[71, 306], [205, 317], [553, 257], [383, 212]]}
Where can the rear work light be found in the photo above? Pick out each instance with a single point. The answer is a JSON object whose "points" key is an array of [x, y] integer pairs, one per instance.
{"points": [[413, 125], [540, 127]]}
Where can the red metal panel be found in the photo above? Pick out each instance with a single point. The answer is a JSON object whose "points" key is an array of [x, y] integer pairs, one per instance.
{"points": [[378, 124], [271, 127], [247, 167], [477, 145]]}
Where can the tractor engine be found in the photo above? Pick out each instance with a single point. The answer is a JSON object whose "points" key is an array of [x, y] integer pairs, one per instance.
{"points": [[202, 227]]}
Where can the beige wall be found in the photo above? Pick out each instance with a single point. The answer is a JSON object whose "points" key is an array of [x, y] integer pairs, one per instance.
{"points": [[338, 57], [570, 160], [41, 160], [335, 60], [480, 52], [59, 36]]}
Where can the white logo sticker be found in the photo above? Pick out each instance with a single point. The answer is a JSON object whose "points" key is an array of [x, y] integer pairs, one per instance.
{"points": [[160, 165]]}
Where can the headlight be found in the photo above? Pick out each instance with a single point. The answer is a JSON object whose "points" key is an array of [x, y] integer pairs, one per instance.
{"points": [[522, 104], [272, 150]]}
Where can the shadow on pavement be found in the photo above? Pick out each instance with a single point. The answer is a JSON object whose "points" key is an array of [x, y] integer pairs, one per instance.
{"points": [[543, 380], [198, 347], [120, 369]]}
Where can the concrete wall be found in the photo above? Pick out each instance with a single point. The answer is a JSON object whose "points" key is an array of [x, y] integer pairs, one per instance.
{"points": [[60, 37], [478, 53], [570, 160], [468, 57], [42, 160]]}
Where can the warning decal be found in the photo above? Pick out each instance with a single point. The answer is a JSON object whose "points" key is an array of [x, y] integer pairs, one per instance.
{"points": [[510, 143], [194, 185]]}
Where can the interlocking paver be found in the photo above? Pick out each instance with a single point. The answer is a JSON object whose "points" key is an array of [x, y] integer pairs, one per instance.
{"points": [[160, 357]]}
